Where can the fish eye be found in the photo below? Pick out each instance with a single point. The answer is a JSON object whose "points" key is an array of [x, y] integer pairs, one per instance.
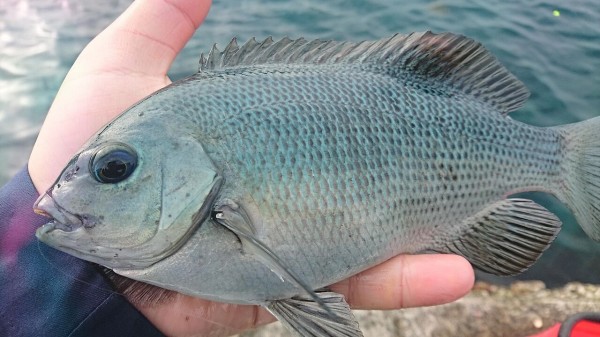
{"points": [[113, 163]]}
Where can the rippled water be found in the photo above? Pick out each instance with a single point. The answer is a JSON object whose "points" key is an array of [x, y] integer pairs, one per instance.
{"points": [[557, 57]]}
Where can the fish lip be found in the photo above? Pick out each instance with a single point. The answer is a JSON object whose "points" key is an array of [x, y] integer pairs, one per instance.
{"points": [[62, 219]]}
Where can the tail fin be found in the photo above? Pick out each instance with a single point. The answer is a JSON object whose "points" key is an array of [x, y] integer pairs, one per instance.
{"points": [[582, 181]]}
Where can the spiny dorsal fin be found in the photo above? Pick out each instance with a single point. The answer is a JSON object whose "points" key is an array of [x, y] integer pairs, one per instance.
{"points": [[454, 60], [229, 51]]}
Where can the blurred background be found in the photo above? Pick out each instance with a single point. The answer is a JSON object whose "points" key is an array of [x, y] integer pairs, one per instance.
{"points": [[552, 46]]}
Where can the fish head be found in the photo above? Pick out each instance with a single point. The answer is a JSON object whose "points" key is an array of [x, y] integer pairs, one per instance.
{"points": [[131, 197]]}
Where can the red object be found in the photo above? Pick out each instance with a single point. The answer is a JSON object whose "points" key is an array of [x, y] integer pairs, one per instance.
{"points": [[581, 329], [586, 329]]}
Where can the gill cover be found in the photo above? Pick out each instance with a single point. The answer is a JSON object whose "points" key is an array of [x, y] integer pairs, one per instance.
{"points": [[131, 202]]}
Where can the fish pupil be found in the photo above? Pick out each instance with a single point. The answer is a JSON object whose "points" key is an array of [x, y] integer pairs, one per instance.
{"points": [[114, 169]]}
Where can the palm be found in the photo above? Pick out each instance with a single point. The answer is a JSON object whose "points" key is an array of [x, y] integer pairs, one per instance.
{"points": [[99, 86], [128, 61]]}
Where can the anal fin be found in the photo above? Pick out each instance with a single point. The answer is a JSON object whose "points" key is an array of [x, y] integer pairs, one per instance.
{"points": [[507, 237], [306, 318]]}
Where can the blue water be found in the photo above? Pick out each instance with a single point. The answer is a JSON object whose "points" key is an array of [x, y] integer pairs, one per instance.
{"points": [[556, 56]]}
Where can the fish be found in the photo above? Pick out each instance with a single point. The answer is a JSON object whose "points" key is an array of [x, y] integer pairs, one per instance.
{"points": [[282, 167]]}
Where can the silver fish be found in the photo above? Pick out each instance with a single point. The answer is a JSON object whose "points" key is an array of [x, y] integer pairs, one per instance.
{"points": [[283, 167]]}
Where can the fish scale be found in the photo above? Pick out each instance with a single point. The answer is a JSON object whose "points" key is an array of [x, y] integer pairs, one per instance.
{"points": [[269, 166], [284, 166]]}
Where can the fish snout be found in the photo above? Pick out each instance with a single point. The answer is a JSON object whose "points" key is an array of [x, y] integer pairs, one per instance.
{"points": [[45, 205]]}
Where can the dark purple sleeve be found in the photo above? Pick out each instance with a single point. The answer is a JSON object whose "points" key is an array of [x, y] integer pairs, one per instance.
{"points": [[44, 292]]}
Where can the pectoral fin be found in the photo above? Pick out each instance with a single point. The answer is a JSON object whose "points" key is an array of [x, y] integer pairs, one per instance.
{"points": [[306, 318], [507, 237], [235, 218]]}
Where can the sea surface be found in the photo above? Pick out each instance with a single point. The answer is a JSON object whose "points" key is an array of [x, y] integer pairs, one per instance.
{"points": [[552, 46]]}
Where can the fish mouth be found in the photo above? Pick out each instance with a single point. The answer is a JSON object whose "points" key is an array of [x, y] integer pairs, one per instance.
{"points": [[65, 231], [62, 219]]}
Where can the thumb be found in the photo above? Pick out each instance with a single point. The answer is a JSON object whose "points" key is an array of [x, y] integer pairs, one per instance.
{"points": [[146, 38]]}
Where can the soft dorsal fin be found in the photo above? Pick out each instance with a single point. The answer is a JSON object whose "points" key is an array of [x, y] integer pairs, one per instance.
{"points": [[454, 60]]}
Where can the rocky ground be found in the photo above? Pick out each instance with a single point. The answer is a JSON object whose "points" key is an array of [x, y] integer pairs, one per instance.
{"points": [[488, 311]]}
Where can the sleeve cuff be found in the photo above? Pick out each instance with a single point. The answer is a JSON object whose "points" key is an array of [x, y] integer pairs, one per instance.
{"points": [[47, 292]]}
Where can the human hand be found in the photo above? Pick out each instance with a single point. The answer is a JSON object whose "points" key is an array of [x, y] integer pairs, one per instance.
{"points": [[128, 61]]}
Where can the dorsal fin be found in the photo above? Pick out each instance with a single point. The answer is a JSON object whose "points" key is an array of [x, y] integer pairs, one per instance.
{"points": [[454, 60]]}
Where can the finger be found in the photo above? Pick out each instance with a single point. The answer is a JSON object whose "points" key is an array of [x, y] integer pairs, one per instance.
{"points": [[409, 281], [190, 316], [403, 281], [147, 37]]}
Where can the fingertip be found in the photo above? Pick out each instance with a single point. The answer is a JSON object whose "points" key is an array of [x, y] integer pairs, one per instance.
{"points": [[150, 33], [453, 278], [409, 281], [165, 14], [194, 10], [435, 279], [464, 269]]}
